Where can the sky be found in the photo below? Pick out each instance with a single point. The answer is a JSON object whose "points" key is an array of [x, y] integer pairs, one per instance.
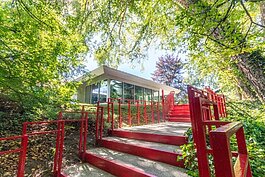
{"points": [[144, 69]]}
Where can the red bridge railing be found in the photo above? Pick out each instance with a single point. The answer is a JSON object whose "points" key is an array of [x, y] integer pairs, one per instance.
{"points": [[59, 132], [205, 117], [22, 150], [133, 111]]}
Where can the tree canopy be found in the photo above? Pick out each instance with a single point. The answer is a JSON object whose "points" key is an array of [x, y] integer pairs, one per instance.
{"points": [[43, 42]]}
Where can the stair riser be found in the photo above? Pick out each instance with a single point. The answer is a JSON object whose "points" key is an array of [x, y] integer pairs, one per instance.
{"points": [[120, 170], [178, 120], [181, 111], [166, 139], [178, 115], [148, 153]]}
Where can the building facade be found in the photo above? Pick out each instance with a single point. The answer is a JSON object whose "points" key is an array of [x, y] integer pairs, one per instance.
{"points": [[105, 82]]}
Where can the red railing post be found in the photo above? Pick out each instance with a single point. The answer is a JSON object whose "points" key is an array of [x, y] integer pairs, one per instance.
{"points": [[96, 124], [145, 116], [152, 112], [129, 113], [224, 102], [60, 157], [157, 110], [201, 139], [81, 131], [120, 116], [101, 122], [108, 110], [85, 133], [56, 155], [22, 156], [138, 112], [60, 115], [163, 105], [112, 116]]}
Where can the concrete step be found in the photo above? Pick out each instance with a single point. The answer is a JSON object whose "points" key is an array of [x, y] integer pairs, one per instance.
{"points": [[151, 137], [84, 170], [154, 145], [147, 150], [130, 165], [165, 128]]}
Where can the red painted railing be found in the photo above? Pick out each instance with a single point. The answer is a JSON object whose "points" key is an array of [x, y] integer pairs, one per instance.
{"points": [[22, 150], [168, 103], [123, 109], [59, 132], [204, 117], [219, 99], [222, 154]]}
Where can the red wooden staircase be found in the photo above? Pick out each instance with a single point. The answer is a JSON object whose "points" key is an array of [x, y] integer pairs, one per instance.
{"points": [[179, 113], [121, 152]]}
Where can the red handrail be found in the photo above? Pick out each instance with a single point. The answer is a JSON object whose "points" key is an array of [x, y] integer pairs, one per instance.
{"points": [[201, 105], [222, 154]]}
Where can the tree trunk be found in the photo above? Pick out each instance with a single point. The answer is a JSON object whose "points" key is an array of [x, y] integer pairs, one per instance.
{"points": [[252, 67]]}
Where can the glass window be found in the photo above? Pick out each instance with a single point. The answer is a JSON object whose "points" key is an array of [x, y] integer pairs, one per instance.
{"points": [[155, 95], [148, 94], [95, 92], [139, 93], [88, 94], [128, 91], [115, 89], [103, 91]]}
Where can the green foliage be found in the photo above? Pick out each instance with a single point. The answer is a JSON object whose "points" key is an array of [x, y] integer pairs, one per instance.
{"points": [[40, 47], [189, 155]]}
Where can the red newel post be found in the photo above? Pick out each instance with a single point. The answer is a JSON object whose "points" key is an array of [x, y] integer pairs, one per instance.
{"points": [[22, 156]]}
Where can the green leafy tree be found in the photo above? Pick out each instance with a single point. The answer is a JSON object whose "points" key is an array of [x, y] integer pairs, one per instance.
{"points": [[39, 48], [169, 71]]}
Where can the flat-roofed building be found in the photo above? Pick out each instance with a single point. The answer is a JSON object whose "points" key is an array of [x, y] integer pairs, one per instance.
{"points": [[107, 83]]}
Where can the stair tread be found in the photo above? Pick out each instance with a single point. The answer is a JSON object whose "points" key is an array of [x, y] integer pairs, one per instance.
{"points": [[153, 145], [84, 170], [166, 128], [151, 167]]}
